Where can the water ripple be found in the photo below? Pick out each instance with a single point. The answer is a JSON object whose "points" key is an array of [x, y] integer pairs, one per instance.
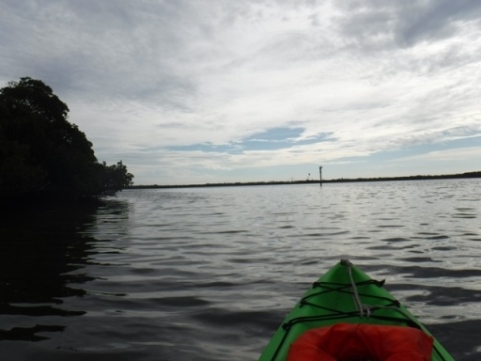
{"points": [[209, 273]]}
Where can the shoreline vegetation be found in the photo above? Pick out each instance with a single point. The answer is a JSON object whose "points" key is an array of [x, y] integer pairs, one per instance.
{"points": [[43, 157], [314, 181]]}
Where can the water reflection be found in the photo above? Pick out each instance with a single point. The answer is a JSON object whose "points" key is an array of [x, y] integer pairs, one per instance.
{"points": [[43, 253], [208, 274]]}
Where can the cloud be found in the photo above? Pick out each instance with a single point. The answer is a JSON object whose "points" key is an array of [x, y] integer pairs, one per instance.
{"points": [[451, 155], [173, 87], [384, 25]]}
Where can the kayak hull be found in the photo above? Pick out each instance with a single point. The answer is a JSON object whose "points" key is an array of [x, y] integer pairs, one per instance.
{"points": [[344, 294]]}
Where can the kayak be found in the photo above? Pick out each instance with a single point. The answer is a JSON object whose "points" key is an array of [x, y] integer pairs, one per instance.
{"points": [[346, 315]]}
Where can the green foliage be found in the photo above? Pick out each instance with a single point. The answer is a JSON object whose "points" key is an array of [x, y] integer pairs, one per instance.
{"points": [[40, 151], [114, 177]]}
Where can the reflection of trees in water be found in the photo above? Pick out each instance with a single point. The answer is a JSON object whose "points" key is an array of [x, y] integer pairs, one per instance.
{"points": [[111, 220], [42, 253]]}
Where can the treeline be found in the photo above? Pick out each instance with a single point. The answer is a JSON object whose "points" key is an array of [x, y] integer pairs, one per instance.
{"points": [[406, 178], [314, 181], [42, 154]]}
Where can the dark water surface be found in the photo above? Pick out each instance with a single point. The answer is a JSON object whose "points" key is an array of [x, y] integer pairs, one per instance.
{"points": [[209, 273]]}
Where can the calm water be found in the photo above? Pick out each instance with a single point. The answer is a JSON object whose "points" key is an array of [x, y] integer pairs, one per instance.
{"points": [[209, 273]]}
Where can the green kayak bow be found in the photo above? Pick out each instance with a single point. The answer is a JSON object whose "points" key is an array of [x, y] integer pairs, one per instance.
{"points": [[345, 295]]}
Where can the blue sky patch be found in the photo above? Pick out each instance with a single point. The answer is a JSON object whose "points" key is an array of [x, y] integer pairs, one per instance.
{"points": [[271, 139], [208, 148], [276, 135]]}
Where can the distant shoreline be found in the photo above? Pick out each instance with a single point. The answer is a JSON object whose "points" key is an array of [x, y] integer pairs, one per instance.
{"points": [[325, 181]]}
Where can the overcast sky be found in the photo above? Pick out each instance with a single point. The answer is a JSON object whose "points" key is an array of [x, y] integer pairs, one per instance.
{"points": [[221, 91]]}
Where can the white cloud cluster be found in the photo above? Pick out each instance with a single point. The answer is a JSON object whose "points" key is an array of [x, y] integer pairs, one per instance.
{"points": [[142, 77]]}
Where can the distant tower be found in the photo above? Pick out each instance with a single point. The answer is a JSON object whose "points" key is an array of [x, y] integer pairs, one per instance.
{"points": [[320, 176]]}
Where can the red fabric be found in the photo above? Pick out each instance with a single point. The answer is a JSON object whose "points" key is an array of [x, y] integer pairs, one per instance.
{"points": [[357, 342]]}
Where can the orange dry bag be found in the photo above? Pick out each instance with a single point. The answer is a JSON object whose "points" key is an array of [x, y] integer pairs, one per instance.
{"points": [[357, 342]]}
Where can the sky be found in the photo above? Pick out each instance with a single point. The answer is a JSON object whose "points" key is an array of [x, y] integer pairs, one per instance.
{"points": [[214, 91]]}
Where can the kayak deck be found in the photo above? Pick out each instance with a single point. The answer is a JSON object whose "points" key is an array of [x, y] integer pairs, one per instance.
{"points": [[344, 294]]}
